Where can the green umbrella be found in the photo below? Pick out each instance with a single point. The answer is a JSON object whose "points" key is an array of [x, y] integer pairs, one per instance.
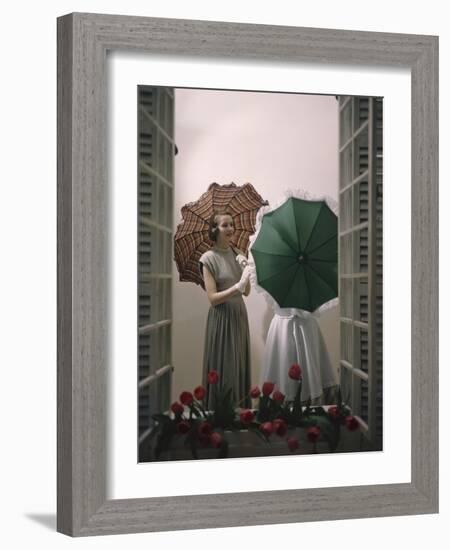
{"points": [[295, 254]]}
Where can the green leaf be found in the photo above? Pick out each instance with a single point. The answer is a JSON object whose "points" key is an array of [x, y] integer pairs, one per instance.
{"points": [[264, 410], [307, 410], [161, 418], [308, 421], [254, 428], [196, 411], [331, 436], [228, 394], [202, 409], [297, 408], [339, 397]]}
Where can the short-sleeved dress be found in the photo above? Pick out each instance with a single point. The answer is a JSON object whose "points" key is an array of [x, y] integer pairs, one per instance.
{"points": [[227, 336]]}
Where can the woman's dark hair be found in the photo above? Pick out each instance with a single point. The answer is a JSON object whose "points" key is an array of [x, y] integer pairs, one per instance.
{"points": [[213, 229]]}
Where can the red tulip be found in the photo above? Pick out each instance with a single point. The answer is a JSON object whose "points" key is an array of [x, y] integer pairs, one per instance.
{"points": [[199, 393], [266, 428], [183, 427], [293, 443], [333, 412], [213, 377], [177, 408], [280, 427], [351, 423], [205, 428], [255, 392], [295, 372], [247, 416], [186, 398], [267, 388], [278, 396], [313, 433], [216, 439]]}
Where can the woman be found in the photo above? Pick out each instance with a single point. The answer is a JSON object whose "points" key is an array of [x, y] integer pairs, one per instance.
{"points": [[227, 338]]}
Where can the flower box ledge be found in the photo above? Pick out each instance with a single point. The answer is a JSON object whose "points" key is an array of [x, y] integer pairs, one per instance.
{"points": [[275, 427]]}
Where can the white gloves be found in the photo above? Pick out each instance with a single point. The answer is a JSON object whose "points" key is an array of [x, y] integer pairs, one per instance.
{"points": [[242, 284], [242, 260]]}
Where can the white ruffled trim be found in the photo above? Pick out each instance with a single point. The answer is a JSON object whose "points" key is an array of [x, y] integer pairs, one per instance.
{"points": [[298, 194], [326, 306]]}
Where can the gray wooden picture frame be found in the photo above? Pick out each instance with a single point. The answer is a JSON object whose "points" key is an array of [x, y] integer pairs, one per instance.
{"points": [[83, 41]]}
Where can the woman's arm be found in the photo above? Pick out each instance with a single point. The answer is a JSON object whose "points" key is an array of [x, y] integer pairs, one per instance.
{"points": [[215, 297]]}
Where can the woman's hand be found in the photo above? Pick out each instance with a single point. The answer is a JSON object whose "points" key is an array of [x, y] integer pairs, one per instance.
{"points": [[241, 286], [217, 298], [242, 260]]}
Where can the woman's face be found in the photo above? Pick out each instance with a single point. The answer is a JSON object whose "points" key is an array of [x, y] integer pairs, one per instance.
{"points": [[226, 228]]}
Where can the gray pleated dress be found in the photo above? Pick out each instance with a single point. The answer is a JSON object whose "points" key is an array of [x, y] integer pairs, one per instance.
{"points": [[227, 336]]}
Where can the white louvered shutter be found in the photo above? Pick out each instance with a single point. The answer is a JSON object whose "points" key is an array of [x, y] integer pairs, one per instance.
{"points": [[156, 149], [361, 259]]}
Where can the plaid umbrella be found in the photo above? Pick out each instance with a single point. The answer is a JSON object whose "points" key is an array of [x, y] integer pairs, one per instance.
{"points": [[191, 238]]}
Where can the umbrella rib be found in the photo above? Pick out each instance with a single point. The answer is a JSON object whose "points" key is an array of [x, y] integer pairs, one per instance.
{"points": [[289, 288], [241, 190], [294, 252], [322, 244], [228, 203], [280, 303], [234, 187], [296, 226], [287, 244], [312, 230], [205, 230], [309, 292], [226, 206], [195, 214], [253, 249], [320, 277], [191, 233], [278, 272], [189, 258]]}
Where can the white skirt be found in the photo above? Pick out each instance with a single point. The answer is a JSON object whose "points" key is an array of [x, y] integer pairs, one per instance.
{"points": [[294, 337]]}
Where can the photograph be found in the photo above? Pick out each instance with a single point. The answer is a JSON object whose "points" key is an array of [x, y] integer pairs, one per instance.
{"points": [[260, 273]]}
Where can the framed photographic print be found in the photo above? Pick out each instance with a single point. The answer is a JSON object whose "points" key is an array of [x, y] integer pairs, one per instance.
{"points": [[185, 134], [234, 203]]}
